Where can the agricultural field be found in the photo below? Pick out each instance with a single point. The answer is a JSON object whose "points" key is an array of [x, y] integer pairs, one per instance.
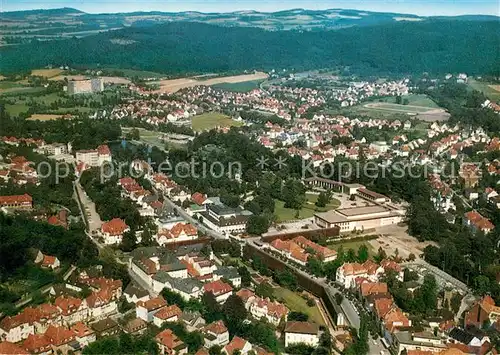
{"points": [[16, 109], [43, 117], [296, 303], [210, 120], [244, 86], [491, 91], [14, 87], [47, 73], [174, 85]]}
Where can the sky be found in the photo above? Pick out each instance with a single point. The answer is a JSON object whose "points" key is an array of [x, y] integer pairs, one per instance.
{"points": [[417, 7]]}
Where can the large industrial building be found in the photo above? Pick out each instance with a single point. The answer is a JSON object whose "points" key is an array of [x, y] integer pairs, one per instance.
{"points": [[88, 86]]}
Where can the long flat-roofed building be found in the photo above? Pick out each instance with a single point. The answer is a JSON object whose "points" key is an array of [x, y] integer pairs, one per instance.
{"points": [[360, 218]]}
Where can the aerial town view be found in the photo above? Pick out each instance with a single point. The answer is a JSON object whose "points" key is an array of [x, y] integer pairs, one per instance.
{"points": [[249, 177]]}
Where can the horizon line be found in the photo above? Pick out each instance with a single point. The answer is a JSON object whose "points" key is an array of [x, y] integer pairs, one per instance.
{"points": [[245, 10]]}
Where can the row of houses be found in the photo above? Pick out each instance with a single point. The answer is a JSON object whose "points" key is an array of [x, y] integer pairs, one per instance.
{"points": [[65, 311]]}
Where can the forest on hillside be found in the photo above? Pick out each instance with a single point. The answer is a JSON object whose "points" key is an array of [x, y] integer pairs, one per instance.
{"points": [[185, 48]]}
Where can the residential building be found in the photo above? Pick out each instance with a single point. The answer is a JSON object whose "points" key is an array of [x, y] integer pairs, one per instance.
{"points": [[112, 231], [220, 290], [348, 272], [476, 222], [135, 326], [16, 202], [237, 344], [167, 314], [60, 338], [224, 219], [178, 233], [216, 333], [301, 332], [483, 311], [146, 310], [134, 293], [105, 328], [83, 334], [259, 307], [170, 344], [192, 320], [9, 348], [37, 344]]}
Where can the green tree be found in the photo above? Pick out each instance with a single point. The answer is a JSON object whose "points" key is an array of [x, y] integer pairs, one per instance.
{"points": [[211, 308], [246, 278], [293, 194], [363, 253], [234, 313]]}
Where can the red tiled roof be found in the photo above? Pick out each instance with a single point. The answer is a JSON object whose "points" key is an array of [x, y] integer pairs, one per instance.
{"points": [[198, 198], [236, 343], [36, 343], [81, 330], [68, 305], [114, 227], [8, 348], [168, 312], [15, 199], [48, 260], [59, 335], [217, 287], [216, 327], [103, 149], [168, 339], [371, 288], [153, 303]]}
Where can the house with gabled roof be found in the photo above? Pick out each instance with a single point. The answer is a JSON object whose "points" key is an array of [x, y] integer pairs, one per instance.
{"points": [[170, 344], [216, 333]]}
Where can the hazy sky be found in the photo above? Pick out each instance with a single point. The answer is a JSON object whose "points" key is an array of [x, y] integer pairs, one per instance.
{"points": [[419, 7]]}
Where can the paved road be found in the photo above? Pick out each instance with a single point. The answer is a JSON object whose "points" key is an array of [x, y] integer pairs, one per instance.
{"points": [[88, 209]]}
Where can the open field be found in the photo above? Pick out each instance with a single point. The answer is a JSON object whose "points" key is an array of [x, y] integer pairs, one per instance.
{"points": [[174, 85], [244, 86], [69, 77], [13, 87], [353, 245], [15, 110], [210, 120], [43, 117], [419, 106], [296, 303], [490, 90], [307, 211], [147, 137], [47, 73]]}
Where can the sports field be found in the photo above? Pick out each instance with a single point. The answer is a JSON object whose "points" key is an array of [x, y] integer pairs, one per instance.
{"points": [[43, 117], [244, 86], [296, 303], [210, 120], [419, 106]]}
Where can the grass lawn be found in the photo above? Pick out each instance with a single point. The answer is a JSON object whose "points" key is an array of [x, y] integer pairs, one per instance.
{"points": [[353, 245], [485, 88], [147, 137], [15, 110], [308, 210], [244, 86], [210, 120], [296, 303]]}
